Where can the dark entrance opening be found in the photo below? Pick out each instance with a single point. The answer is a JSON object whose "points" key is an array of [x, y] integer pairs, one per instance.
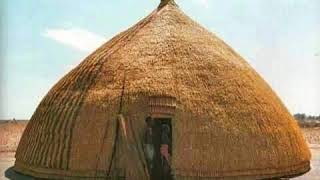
{"points": [[159, 168]]}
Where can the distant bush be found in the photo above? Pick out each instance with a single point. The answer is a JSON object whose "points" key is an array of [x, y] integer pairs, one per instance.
{"points": [[307, 121]]}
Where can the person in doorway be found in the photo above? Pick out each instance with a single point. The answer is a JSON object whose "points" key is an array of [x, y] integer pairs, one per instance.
{"points": [[164, 151], [148, 144]]}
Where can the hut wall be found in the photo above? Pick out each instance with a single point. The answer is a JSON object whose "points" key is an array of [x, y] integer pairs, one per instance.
{"points": [[216, 143], [228, 121]]}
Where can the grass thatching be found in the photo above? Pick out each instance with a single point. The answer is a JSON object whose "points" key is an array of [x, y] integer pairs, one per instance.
{"points": [[228, 121]]}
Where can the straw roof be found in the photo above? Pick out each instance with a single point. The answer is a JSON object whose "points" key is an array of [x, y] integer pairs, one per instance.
{"points": [[228, 122]]}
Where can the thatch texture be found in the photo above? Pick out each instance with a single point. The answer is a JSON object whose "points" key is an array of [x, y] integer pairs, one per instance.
{"points": [[228, 122]]}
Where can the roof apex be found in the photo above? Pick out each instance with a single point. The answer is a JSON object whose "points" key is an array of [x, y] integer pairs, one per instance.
{"points": [[165, 2]]}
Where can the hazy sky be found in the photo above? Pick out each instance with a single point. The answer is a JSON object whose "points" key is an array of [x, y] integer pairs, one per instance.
{"points": [[43, 40]]}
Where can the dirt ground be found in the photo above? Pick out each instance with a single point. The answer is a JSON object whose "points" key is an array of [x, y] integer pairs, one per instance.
{"points": [[312, 135], [6, 161], [10, 135]]}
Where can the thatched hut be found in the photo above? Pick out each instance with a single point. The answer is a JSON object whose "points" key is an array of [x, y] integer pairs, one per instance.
{"points": [[227, 123]]}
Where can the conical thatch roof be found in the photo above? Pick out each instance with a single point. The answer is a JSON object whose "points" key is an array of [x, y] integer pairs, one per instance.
{"points": [[227, 121]]}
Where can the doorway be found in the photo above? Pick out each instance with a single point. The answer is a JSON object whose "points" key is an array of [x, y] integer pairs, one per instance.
{"points": [[159, 171]]}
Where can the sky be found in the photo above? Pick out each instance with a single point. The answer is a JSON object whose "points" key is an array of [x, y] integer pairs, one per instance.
{"points": [[43, 40]]}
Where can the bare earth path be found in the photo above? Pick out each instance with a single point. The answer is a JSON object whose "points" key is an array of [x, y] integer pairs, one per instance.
{"points": [[6, 161]]}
